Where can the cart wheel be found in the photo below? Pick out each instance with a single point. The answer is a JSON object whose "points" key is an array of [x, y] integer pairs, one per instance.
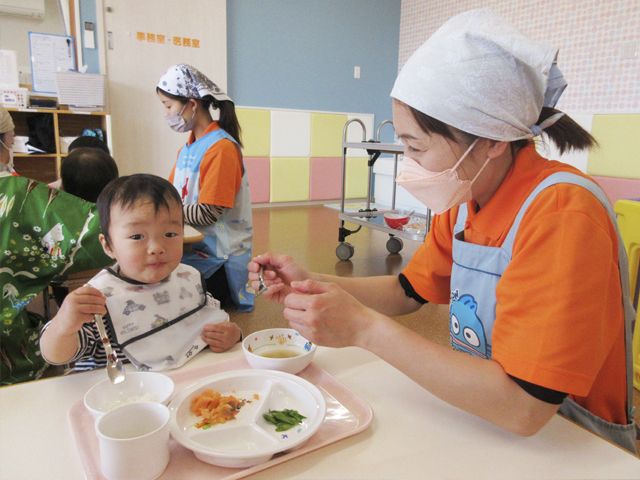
{"points": [[394, 244], [345, 251]]}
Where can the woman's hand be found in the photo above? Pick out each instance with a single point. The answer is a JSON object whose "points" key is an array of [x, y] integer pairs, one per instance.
{"points": [[279, 272], [327, 315], [221, 336]]}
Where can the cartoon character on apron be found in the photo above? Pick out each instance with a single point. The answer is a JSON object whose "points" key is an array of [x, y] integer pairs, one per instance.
{"points": [[227, 242], [476, 271]]}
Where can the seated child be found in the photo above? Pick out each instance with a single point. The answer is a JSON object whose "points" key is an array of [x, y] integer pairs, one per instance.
{"points": [[157, 311], [86, 170], [89, 142], [84, 173]]}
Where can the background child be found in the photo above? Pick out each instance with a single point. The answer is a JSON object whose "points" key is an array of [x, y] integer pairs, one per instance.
{"points": [[84, 173], [147, 291], [87, 169]]}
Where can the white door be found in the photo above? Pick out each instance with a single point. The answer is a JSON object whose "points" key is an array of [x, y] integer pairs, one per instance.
{"points": [[144, 38]]}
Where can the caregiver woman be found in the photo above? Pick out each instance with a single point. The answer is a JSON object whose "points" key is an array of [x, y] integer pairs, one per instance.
{"points": [[212, 181], [523, 249]]}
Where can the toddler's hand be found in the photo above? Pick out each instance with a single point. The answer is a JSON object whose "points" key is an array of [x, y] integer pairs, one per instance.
{"points": [[79, 307], [221, 336]]}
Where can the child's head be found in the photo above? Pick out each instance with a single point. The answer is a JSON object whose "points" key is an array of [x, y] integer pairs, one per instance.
{"points": [[86, 172], [90, 142], [142, 226]]}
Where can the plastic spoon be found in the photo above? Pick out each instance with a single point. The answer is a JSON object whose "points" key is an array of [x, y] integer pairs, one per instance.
{"points": [[115, 369]]}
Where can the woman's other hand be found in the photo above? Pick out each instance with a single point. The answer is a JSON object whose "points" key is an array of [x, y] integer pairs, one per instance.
{"points": [[279, 272], [327, 315]]}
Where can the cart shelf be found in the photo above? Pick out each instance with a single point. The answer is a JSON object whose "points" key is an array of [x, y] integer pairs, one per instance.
{"points": [[368, 217]]}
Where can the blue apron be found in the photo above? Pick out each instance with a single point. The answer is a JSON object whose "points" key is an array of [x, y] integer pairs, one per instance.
{"points": [[227, 242], [476, 271]]}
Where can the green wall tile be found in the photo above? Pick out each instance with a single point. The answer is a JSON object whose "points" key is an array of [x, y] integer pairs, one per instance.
{"points": [[357, 177], [256, 131], [326, 134], [290, 179], [619, 138]]}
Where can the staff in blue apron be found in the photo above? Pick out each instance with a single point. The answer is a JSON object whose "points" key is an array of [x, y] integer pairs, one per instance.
{"points": [[524, 250], [212, 181]]}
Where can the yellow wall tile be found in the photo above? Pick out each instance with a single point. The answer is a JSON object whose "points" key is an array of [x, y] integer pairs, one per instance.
{"points": [[619, 138], [326, 134], [290, 179], [256, 131], [357, 177]]}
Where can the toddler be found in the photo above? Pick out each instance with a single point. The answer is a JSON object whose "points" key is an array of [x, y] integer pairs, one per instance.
{"points": [[157, 311]]}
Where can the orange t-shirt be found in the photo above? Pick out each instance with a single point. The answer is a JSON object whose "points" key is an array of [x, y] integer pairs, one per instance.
{"points": [[559, 316], [220, 171]]}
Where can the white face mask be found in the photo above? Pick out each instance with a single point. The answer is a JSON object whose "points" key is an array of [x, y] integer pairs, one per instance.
{"points": [[440, 191], [7, 167], [177, 123]]}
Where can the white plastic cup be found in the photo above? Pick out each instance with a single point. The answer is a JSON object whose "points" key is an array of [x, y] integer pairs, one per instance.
{"points": [[134, 441]]}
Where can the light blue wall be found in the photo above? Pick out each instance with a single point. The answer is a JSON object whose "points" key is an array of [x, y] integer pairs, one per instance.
{"points": [[301, 54], [90, 56]]}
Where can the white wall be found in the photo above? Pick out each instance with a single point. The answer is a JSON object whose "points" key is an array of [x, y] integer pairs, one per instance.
{"points": [[142, 140], [14, 32]]}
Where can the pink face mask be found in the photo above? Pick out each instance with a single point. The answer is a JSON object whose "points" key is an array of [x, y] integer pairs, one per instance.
{"points": [[440, 191]]}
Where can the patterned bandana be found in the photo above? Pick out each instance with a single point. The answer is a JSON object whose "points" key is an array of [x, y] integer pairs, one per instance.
{"points": [[480, 75], [185, 81]]}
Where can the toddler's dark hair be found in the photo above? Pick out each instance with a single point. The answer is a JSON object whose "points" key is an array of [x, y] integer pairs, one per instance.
{"points": [[89, 141], [86, 172], [126, 191]]}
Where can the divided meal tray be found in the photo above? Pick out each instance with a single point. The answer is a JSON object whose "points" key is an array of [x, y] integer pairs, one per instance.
{"points": [[347, 415]]}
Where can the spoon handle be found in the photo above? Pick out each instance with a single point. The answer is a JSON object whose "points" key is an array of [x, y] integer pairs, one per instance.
{"points": [[104, 337]]}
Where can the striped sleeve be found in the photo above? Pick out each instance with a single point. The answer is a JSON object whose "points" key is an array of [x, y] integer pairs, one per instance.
{"points": [[202, 214], [91, 354]]}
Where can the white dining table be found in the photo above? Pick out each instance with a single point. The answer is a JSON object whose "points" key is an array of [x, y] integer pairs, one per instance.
{"points": [[412, 435]]}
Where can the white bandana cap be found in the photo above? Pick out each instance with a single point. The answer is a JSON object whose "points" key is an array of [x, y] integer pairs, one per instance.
{"points": [[480, 75], [185, 81], [6, 122]]}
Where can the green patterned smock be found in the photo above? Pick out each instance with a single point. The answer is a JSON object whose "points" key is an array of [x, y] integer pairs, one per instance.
{"points": [[43, 232]]}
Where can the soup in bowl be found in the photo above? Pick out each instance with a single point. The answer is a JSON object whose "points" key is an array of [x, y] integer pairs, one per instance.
{"points": [[282, 349]]}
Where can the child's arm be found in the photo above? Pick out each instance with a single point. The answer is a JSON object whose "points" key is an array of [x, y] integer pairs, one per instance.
{"points": [[59, 342], [221, 336]]}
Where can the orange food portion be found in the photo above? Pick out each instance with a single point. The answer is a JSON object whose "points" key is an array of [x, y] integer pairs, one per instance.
{"points": [[214, 408]]}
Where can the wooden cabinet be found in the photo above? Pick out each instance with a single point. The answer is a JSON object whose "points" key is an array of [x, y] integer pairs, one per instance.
{"points": [[46, 167]]}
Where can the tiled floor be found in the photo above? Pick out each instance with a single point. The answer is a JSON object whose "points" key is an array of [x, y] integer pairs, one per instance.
{"points": [[310, 235]]}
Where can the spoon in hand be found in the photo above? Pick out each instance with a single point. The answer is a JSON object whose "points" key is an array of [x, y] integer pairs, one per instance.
{"points": [[263, 288], [115, 369]]}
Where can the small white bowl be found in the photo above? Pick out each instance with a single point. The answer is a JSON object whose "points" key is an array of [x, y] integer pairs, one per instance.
{"points": [[276, 341], [138, 386], [415, 227]]}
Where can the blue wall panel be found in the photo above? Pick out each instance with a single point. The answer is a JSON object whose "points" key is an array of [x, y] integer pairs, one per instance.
{"points": [[301, 54], [90, 56]]}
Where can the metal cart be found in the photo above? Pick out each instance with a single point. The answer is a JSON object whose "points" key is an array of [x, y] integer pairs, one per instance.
{"points": [[371, 217]]}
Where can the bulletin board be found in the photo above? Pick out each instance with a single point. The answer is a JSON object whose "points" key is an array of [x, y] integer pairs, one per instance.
{"points": [[48, 53]]}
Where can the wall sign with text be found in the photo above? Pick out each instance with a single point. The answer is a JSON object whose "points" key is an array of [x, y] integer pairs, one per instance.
{"points": [[168, 40]]}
